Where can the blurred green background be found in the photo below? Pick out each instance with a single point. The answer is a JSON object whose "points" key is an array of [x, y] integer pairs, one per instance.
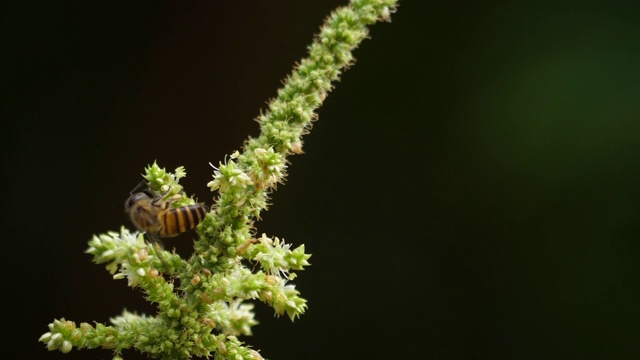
{"points": [[470, 190]]}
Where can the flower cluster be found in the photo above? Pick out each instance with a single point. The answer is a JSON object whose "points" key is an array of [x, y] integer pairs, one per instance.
{"points": [[162, 181], [125, 251], [275, 255]]}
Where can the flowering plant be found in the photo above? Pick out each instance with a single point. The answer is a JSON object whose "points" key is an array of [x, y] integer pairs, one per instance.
{"points": [[203, 301]]}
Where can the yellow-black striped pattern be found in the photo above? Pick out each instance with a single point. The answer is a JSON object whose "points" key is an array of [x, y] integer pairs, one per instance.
{"points": [[178, 220]]}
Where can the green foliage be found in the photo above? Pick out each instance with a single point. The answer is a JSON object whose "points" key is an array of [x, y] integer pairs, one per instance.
{"points": [[208, 309]]}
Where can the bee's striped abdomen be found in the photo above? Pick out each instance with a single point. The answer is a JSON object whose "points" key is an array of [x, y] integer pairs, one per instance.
{"points": [[182, 219]]}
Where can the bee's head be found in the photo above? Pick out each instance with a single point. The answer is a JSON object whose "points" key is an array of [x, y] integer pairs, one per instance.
{"points": [[136, 198]]}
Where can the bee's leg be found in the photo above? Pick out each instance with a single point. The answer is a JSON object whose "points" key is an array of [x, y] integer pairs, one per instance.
{"points": [[159, 248], [155, 239], [157, 199]]}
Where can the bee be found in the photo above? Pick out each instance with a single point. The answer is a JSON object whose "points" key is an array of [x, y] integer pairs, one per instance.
{"points": [[157, 217]]}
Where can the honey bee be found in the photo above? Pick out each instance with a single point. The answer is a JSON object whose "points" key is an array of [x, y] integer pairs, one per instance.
{"points": [[157, 217]]}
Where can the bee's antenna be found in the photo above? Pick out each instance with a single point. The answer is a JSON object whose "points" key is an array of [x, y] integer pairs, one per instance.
{"points": [[141, 185]]}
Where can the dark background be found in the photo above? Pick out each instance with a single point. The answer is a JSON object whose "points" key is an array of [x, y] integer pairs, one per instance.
{"points": [[470, 190]]}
